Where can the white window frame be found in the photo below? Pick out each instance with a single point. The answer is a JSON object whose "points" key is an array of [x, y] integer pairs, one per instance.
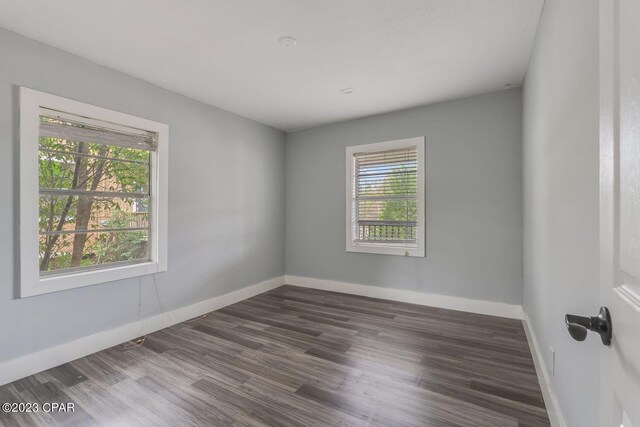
{"points": [[31, 283], [386, 248]]}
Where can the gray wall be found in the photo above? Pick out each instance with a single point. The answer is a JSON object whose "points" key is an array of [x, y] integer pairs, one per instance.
{"points": [[561, 197], [226, 201], [473, 200]]}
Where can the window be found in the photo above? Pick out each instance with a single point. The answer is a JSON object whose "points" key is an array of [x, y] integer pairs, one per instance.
{"points": [[385, 198], [93, 187]]}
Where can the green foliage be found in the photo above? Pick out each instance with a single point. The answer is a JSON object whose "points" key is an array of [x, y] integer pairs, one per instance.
{"points": [[61, 167], [121, 246], [400, 184]]}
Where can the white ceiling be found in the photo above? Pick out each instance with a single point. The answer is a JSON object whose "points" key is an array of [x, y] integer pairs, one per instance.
{"points": [[394, 53]]}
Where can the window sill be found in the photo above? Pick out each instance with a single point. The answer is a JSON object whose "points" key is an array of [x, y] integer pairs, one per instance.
{"points": [[63, 282], [382, 249]]}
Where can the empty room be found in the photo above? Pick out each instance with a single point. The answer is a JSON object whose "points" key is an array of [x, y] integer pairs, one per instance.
{"points": [[320, 213]]}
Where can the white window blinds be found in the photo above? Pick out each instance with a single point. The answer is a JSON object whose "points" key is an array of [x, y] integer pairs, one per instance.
{"points": [[55, 124], [385, 196]]}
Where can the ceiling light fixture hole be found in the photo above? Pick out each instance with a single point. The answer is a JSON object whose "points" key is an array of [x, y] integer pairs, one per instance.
{"points": [[287, 41]]}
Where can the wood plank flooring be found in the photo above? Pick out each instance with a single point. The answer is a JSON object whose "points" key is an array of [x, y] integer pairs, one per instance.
{"points": [[301, 357]]}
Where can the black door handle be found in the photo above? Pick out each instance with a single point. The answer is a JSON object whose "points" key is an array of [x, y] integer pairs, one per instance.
{"points": [[578, 326]]}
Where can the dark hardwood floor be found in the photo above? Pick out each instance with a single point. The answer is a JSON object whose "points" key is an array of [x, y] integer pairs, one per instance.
{"points": [[302, 357]]}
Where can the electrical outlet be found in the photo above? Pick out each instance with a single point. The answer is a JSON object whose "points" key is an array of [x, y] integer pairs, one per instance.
{"points": [[553, 361]]}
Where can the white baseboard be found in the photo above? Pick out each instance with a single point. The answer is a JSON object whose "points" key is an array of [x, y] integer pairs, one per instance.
{"points": [[39, 361], [546, 386], [512, 311]]}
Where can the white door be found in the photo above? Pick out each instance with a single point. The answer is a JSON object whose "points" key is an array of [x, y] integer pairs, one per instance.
{"points": [[620, 210]]}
